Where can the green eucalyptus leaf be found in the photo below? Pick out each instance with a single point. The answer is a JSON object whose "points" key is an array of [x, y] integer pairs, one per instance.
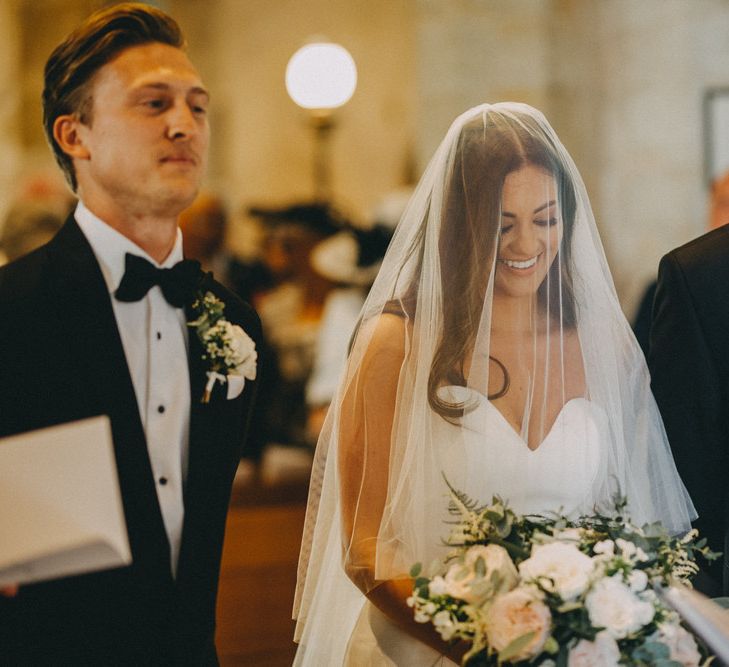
{"points": [[551, 645], [515, 647]]}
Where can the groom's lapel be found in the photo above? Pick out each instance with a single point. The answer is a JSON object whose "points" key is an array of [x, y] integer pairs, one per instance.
{"points": [[97, 355], [204, 417]]}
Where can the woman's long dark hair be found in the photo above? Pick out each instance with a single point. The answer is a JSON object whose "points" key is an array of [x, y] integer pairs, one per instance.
{"points": [[489, 150]]}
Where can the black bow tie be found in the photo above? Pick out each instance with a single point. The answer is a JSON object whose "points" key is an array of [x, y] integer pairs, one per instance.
{"points": [[178, 284]]}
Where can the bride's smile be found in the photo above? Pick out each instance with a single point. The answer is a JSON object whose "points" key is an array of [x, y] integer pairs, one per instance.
{"points": [[520, 265]]}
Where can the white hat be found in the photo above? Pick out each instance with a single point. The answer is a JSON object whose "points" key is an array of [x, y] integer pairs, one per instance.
{"points": [[336, 258]]}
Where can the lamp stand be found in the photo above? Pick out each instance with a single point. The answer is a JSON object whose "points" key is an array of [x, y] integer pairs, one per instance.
{"points": [[323, 123]]}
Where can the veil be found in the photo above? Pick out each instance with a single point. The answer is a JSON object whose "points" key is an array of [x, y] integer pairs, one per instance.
{"points": [[491, 351]]}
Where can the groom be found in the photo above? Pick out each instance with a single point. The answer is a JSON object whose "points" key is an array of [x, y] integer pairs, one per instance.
{"points": [[90, 325], [689, 368]]}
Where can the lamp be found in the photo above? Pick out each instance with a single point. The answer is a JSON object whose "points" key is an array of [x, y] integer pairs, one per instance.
{"points": [[321, 77]]}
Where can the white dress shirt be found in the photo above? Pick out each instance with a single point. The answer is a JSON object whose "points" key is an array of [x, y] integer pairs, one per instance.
{"points": [[154, 336]]}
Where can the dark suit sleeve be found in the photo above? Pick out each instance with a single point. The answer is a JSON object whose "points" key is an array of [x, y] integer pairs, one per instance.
{"points": [[686, 381]]}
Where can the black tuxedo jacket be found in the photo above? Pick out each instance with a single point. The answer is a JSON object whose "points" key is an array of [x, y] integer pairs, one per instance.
{"points": [[61, 359], [689, 364]]}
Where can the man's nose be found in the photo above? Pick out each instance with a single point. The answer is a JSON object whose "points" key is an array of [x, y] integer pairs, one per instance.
{"points": [[181, 120]]}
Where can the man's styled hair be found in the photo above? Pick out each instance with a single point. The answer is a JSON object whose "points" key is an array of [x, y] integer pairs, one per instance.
{"points": [[72, 65]]}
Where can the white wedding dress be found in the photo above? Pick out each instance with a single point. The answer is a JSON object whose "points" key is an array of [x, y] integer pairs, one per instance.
{"points": [[560, 475]]}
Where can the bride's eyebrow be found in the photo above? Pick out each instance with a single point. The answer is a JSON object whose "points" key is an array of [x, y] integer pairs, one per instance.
{"points": [[551, 202], [543, 206]]}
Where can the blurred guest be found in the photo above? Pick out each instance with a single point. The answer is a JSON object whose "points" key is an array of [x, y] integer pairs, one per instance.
{"points": [[204, 226], [291, 313], [28, 225], [203, 232], [351, 260], [718, 216]]}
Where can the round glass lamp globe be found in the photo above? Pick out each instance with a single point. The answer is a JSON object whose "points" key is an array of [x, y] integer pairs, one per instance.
{"points": [[321, 76]]}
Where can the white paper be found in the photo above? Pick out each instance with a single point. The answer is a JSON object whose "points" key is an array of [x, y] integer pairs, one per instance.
{"points": [[61, 512]]}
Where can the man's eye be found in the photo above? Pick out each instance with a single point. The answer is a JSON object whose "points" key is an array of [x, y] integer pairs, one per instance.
{"points": [[197, 109], [154, 104]]}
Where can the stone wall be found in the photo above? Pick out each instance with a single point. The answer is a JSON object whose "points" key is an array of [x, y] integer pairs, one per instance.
{"points": [[621, 81]]}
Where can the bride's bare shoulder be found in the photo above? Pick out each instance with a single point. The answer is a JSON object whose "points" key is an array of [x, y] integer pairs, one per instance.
{"points": [[384, 338]]}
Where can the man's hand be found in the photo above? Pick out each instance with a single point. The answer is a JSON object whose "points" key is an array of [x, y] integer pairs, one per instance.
{"points": [[9, 591]]}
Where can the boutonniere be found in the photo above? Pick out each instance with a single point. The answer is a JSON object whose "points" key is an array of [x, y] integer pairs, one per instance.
{"points": [[228, 350]]}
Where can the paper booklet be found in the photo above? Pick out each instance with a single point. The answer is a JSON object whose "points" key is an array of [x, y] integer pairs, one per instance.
{"points": [[60, 506]]}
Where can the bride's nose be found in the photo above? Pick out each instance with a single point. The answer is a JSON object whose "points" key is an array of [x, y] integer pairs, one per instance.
{"points": [[527, 242]]}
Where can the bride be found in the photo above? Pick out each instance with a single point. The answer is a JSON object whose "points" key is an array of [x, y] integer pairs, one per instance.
{"points": [[491, 351]]}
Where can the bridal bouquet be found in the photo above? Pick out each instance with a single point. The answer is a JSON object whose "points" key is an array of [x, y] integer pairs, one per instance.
{"points": [[553, 592]]}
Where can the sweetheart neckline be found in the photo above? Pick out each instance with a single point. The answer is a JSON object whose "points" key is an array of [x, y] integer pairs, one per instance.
{"points": [[483, 399], [511, 428]]}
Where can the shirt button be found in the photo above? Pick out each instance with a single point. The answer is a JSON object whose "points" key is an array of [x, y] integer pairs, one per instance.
{"points": [[159, 335], [163, 480], [161, 409]]}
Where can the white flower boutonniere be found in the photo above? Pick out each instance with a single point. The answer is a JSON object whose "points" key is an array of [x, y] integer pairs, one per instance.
{"points": [[230, 351]]}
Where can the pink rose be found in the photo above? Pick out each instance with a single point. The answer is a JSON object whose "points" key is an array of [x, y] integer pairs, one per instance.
{"points": [[603, 652], [513, 615], [680, 642]]}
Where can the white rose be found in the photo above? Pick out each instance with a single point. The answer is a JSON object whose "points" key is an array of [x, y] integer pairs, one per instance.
{"points": [[437, 586], [637, 580], [628, 549], [606, 547], [569, 535], [560, 568], [462, 581], [513, 615], [244, 352], [603, 652], [458, 582], [611, 605], [495, 559], [680, 642]]}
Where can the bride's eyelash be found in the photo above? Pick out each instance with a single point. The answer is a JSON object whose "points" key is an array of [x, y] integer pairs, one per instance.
{"points": [[546, 223], [551, 222]]}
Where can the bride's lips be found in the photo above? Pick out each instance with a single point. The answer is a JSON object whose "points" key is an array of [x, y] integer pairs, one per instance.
{"points": [[522, 267]]}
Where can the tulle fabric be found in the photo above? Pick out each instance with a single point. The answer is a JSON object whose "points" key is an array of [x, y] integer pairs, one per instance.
{"points": [[493, 318]]}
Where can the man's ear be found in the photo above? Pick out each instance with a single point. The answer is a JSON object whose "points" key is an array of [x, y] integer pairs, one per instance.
{"points": [[68, 133]]}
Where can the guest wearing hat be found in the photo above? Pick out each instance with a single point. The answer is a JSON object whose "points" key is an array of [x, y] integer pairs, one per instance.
{"points": [[350, 259], [204, 227], [291, 314]]}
